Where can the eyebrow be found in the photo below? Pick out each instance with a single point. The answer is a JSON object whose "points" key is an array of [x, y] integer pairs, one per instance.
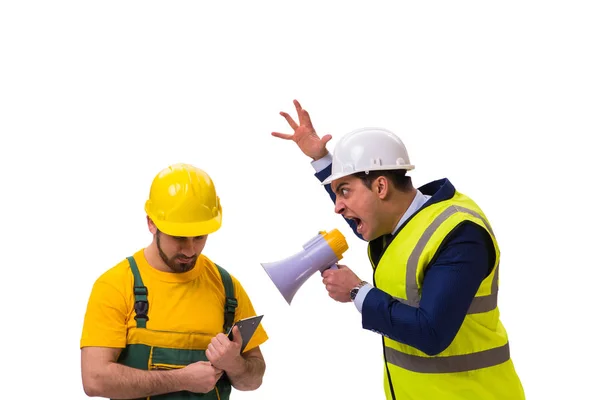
{"points": [[340, 187]]}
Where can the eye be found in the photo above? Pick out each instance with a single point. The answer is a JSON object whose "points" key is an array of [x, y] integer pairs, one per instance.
{"points": [[345, 191]]}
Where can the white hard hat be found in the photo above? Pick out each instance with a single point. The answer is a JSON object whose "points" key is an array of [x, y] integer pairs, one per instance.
{"points": [[368, 149]]}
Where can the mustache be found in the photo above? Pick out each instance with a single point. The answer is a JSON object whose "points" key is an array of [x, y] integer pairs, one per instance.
{"points": [[185, 258]]}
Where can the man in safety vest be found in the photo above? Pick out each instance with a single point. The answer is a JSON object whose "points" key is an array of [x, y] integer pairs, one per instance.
{"points": [[156, 323], [435, 269]]}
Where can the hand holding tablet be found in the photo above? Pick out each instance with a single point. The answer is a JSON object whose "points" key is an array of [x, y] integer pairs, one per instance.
{"points": [[247, 327]]}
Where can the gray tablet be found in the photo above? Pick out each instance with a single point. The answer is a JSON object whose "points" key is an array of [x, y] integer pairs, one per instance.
{"points": [[247, 328]]}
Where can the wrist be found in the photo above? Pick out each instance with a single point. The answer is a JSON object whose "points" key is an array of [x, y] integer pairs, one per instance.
{"points": [[319, 156], [321, 162], [356, 288], [237, 367], [178, 378]]}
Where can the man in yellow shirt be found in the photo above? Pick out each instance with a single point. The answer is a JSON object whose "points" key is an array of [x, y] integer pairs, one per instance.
{"points": [[156, 323]]}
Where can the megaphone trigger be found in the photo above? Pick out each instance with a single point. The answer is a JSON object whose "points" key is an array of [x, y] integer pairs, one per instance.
{"points": [[322, 252]]}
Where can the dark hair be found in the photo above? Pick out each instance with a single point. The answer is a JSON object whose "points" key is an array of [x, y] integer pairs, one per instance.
{"points": [[396, 176]]}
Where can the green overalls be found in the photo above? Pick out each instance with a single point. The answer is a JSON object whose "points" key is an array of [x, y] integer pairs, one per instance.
{"points": [[149, 356]]}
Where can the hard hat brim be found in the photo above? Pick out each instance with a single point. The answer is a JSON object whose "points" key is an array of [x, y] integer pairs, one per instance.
{"points": [[339, 175], [192, 229]]}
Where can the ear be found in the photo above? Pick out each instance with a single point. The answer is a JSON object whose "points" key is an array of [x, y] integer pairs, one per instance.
{"points": [[151, 227], [382, 187]]}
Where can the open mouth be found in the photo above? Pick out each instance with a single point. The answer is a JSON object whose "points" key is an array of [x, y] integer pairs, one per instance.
{"points": [[358, 221]]}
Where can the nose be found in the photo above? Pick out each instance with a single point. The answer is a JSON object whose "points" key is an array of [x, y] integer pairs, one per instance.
{"points": [[187, 247], [340, 207]]}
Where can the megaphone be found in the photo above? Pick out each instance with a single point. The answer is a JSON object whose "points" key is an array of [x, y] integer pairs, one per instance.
{"points": [[320, 253]]}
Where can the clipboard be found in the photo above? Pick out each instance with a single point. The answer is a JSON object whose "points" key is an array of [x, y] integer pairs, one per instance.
{"points": [[247, 327]]}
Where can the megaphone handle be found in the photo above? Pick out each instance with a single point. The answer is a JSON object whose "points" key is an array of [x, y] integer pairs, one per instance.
{"points": [[334, 266]]}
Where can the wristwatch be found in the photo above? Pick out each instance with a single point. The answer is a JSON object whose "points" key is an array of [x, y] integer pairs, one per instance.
{"points": [[355, 290]]}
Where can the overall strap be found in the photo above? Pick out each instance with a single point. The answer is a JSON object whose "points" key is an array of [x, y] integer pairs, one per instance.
{"points": [[230, 300], [141, 295]]}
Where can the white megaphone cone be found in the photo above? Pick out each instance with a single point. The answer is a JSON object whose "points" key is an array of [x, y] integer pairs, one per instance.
{"points": [[320, 253]]}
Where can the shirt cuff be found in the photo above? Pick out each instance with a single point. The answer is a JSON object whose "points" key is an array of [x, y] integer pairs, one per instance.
{"points": [[322, 163], [360, 296]]}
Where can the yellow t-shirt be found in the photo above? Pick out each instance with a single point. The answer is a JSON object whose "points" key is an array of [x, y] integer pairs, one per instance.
{"points": [[192, 301]]}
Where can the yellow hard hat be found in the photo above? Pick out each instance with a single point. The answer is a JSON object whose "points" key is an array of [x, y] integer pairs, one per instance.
{"points": [[183, 202]]}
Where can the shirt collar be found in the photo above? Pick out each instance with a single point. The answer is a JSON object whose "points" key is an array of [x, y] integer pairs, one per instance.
{"points": [[417, 203]]}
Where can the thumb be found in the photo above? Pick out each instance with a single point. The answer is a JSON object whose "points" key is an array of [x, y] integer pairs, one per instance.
{"points": [[237, 336], [326, 139]]}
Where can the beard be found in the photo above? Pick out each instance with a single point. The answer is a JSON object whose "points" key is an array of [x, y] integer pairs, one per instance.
{"points": [[173, 263]]}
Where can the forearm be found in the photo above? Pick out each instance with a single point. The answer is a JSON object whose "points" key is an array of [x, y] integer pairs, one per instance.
{"points": [[247, 374], [409, 325], [118, 381]]}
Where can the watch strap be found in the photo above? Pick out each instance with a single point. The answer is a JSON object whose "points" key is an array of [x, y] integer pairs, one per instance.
{"points": [[355, 290]]}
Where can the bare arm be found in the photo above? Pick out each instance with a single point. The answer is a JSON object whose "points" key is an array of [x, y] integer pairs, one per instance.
{"points": [[102, 376], [315, 147], [249, 370]]}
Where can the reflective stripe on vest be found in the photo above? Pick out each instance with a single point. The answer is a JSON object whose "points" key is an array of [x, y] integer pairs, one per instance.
{"points": [[480, 304], [448, 364]]}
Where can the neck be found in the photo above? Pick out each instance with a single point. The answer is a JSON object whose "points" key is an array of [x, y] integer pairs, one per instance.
{"points": [[398, 205], [154, 259]]}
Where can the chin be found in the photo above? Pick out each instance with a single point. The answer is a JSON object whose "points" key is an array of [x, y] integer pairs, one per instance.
{"points": [[181, 268], [367, 236], [372, 235]]}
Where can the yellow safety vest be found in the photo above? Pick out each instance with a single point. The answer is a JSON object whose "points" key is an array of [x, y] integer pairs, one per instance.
{"points": [[477, 364]]}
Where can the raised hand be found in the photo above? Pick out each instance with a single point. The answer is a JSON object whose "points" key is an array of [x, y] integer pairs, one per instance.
{"points": [[304, 134]]}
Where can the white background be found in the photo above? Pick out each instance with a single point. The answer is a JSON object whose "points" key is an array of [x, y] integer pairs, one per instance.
{"points": [[96, 97]]}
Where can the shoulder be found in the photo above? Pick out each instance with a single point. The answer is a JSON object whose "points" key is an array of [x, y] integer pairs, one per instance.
{"points": [[117, 279], [460, 218], [469, 242], [469, 232], [219, 274], [117, 274], [108, 307]]}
